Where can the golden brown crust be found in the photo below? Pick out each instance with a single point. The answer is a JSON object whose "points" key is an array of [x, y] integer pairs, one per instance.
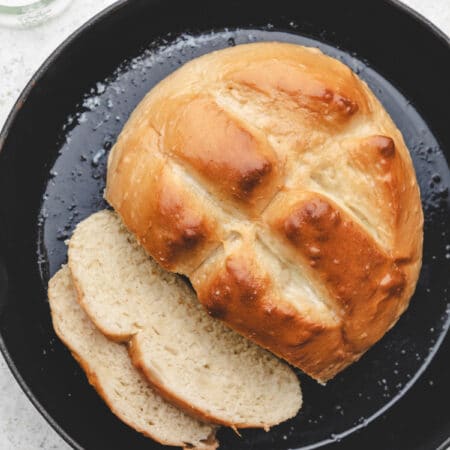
{"points": [[363, 282], [170, 222], [275, 155], [304, 89], [230, 159], [178, 230], [244, 298]]}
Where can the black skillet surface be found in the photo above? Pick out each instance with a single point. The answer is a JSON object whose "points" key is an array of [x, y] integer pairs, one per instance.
{"points": [[53, 152]]}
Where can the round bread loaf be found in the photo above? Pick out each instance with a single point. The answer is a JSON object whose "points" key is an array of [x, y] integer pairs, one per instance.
{"points": [[273, 178]]}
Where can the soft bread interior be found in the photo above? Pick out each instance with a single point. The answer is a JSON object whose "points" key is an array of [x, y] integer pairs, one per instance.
{"points": [[109, 370], [192, 359]]}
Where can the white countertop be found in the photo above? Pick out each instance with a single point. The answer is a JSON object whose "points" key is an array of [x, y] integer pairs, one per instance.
{"points": [[21, 53]]}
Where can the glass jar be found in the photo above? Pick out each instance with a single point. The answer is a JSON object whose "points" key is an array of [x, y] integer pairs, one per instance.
{"points": [[28, 13]]}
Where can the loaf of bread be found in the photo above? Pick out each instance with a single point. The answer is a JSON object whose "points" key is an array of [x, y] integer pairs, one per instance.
{"points": [[190, 358], [109, 370], [274, 179]]}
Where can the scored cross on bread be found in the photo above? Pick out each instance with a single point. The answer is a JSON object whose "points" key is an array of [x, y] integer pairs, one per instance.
{"points": [[273, 178]]}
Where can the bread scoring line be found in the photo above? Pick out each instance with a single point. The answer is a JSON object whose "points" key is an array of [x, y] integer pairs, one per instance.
{"points": [[235, 219], [356, 123]]}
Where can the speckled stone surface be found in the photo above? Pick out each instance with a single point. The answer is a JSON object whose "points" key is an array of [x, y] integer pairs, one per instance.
{"points": [[21, 53]]}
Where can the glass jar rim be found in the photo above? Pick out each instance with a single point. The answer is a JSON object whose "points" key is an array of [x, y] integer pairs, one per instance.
{"points": [[27, 6]]}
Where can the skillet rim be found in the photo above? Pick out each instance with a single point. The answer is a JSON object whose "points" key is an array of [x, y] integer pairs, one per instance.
{"points": [[435, 31]]}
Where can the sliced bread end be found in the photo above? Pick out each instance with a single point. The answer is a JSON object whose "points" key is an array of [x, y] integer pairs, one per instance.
{"points": [[110, 372]]}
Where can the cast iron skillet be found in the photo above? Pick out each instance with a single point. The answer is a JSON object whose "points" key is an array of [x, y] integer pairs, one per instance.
{"points": [[53, 151]]}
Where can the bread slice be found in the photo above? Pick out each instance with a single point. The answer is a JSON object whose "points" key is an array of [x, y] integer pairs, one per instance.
{"points": [[110, 371], [192, 359]]}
